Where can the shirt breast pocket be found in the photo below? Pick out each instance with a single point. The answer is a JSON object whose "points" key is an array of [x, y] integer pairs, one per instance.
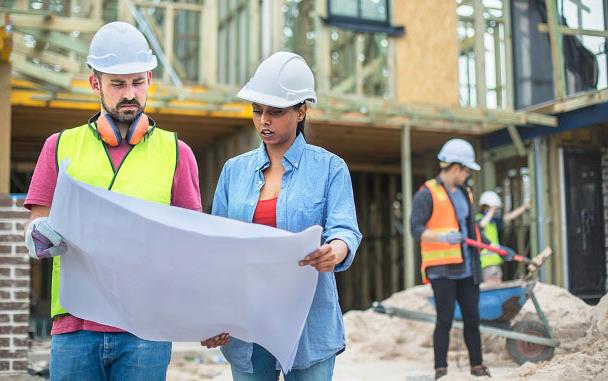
{"points": [[309, 212]]}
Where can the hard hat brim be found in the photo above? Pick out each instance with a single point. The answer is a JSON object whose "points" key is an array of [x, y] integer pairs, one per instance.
{"points": [[474, 166], [269, 100], [127, 68]]}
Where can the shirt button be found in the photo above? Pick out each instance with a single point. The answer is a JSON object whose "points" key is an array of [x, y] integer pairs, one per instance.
{"points": [[251, 203], [295, 164], [260, 182]]}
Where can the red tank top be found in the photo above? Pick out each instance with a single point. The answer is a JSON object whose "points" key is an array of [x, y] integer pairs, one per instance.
{"points": [[266, 212]]}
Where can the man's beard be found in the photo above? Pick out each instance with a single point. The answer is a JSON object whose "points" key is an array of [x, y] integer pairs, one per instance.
{"points": [[123, 116]]}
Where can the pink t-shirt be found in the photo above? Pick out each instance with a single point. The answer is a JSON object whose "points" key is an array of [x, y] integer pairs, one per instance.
{"points": [[185, 194]]}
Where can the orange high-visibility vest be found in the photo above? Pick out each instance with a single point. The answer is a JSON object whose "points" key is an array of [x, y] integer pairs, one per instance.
{"points": [[443, 219]]}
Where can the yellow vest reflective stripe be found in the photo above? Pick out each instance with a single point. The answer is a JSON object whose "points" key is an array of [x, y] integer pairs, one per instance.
{"points": [[489, 258], [443, 219], [146, 172]]}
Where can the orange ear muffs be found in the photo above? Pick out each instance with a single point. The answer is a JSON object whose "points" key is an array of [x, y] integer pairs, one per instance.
{"points": [[109, 133], [107, 130], [139, 128]]}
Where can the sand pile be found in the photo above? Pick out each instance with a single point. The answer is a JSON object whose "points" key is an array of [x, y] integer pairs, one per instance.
{"points": [[581, 329], [587, 361], [370, 335]]}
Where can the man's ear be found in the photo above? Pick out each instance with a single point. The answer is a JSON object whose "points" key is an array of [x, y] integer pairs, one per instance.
{"points": [[149, 78], [95, 83]]}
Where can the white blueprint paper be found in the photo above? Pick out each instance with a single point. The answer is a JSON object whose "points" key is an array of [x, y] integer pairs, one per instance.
{"points": [[171, 274]]}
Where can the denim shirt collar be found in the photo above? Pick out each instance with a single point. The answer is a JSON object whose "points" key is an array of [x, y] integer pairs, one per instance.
{"points": [[293, 154]]}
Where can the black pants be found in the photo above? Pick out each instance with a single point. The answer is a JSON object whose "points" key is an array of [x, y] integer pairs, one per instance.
{"points": [[446, 292]]}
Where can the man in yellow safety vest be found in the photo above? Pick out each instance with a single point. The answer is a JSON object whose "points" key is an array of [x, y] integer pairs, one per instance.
{"points": [[123, 150]]}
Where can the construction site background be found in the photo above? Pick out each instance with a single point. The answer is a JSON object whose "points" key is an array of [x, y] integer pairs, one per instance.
{"points": [[524, 80]]}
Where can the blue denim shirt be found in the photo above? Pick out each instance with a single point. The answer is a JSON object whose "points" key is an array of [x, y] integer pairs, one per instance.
{"points": [[316, 189]]}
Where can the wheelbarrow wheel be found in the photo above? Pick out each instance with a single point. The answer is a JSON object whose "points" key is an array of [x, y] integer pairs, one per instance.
{"points": [[522, 351]]}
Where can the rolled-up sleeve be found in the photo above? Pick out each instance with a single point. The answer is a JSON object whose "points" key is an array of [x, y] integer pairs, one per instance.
{"points": [[220, 197], [341, 222], [422, 208]]}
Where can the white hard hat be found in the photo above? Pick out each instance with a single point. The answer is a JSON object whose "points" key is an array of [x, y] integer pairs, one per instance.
{"points": [[490, 198], [282, 80], [458, 151], [119, 48]]}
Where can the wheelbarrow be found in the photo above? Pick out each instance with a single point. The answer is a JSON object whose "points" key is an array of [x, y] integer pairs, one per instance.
{"points": [[527, 340]]}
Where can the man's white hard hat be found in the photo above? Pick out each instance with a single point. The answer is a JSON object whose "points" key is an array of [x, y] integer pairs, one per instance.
{"points": [[490, 198], [119, 48], [458, 151], [282, 80]]}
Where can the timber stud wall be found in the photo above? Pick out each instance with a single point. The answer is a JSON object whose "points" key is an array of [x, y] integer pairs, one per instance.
{"points": [[605, 190], [14, 287]]}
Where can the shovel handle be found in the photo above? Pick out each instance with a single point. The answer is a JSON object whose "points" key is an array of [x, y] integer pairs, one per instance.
{"points": [[481, 245], [494, 249]]}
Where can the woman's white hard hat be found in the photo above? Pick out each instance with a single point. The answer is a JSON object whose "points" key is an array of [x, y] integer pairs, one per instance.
{"points": [[282, 80]]}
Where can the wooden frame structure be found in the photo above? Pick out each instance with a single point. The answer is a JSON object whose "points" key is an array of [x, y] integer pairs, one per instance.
{"points": [[48, 62]]}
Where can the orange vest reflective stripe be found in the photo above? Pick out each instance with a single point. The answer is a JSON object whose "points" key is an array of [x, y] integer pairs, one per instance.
{"points": [[443, 219]]}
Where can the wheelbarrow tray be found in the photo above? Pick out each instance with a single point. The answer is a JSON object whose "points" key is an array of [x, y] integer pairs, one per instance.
{"points": [[500, 303]]}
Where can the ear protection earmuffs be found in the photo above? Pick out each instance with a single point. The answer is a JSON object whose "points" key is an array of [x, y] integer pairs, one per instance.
{"points": [[108, 132]]}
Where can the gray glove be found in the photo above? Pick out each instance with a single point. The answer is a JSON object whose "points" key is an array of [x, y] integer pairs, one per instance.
{"points": [[452, 237], [42, 241]]}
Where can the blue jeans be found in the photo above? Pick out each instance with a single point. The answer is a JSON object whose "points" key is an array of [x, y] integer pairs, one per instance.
{"points": [[264, 369], [98, 356]]}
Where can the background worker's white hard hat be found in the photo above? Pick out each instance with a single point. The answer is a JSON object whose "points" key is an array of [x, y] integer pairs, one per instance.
{"points": [[282, 80], [119, 48], [458, 151], [490, 198]]}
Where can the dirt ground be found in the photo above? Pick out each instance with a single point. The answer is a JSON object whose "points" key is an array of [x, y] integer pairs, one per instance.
{"points": [[384, 348], [391, 349]]}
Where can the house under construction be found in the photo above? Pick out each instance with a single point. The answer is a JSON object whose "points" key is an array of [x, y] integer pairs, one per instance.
{"points": [[523, 80]]}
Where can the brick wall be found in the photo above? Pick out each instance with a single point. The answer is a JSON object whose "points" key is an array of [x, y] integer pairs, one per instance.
{"points": [[605, 189], [14, 287]]}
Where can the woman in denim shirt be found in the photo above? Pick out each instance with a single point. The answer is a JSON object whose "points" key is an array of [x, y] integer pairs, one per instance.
{"points": [[292, 185]]}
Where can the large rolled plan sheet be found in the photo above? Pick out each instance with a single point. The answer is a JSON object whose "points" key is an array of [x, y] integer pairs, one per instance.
{"points": [[170, 274]]}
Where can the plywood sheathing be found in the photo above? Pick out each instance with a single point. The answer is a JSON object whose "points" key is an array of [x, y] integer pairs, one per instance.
{"points": [[427, 56]]}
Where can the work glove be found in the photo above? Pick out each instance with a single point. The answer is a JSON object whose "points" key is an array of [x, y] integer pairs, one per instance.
{"points": [[42, 241], [452, 237], [510, 253]]}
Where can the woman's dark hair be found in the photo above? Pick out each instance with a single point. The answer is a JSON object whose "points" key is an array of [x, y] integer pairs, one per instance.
{"points": [[302, 123]]}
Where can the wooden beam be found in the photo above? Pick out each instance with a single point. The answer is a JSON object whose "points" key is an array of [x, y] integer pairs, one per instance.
{"points": [[544, 28], [322, 50], [45, 55], [506, 11], [375, 168], [517, 142], [571, 103], [358, 75], [557, 51], [21, 65], [479, 46], [409, 261], [59, 40], [56, 23], [364, 259], [393, 236], [377, 232], [169, 26], [168, 4], [5, 126], [488, 171]]}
